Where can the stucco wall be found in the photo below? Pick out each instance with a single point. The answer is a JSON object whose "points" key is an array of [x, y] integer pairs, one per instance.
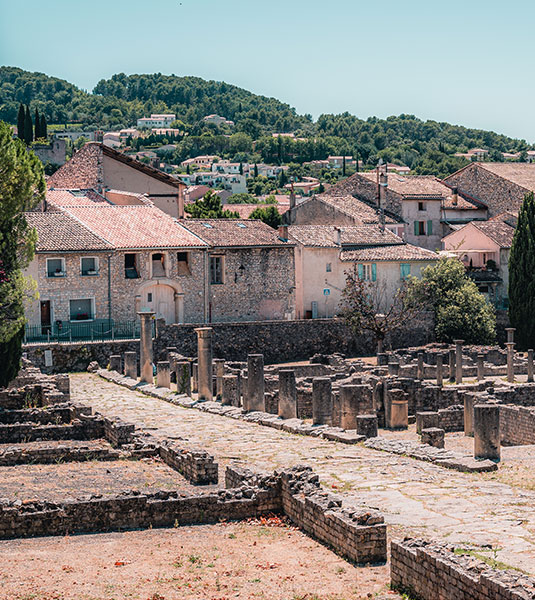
{"points": [[433, 213], [315, 212]]}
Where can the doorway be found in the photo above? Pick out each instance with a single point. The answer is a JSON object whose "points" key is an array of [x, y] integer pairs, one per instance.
{"points": [[46, 317]]}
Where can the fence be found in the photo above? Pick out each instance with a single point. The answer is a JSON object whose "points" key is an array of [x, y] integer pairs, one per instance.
{"points": [[82, 332]]}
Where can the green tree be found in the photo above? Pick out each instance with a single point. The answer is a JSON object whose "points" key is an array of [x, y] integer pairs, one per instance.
{"points": [[28, 126], [255, 171], [521, 280], [461, 310], [22, 187], [210, 207], [44, 129], [20, 121], [37, 125], [269, 215]]}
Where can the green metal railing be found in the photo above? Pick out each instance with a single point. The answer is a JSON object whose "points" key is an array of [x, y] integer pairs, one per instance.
{"points": [[66, 332]]}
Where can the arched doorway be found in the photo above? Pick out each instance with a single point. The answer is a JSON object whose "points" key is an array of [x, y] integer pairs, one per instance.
{"points": [[163, 297]]}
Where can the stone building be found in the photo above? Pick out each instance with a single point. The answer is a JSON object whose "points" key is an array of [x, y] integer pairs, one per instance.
{"points": [[499, 186], [101, 168], [418, 208], [98, 263], [325, 253], [484, 249], [52, 153]]}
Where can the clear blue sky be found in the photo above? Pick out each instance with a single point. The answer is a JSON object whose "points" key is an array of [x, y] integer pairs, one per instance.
{"points": [[464, 61]]}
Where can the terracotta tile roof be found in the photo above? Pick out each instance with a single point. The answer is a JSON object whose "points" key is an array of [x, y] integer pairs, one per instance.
{"points": [[85, 169], [510, 217], [233, 233], [498, 231], [403, 252], [324, 236], [134, 227], [245, 210], [64, 198], [523, 174], [363, 212], [60, 232]]}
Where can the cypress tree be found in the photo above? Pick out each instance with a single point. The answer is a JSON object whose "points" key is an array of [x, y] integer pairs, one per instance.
{"points": [[44, 133], [37, 122], [28, 127], [20, 122], [344, 167], [521, 280]]}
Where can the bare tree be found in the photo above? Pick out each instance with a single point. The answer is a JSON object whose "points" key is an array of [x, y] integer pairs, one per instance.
{"points": [[366, 306]]}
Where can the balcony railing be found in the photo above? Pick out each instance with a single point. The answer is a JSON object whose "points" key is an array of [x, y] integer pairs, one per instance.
{"points": [[90, 331]]}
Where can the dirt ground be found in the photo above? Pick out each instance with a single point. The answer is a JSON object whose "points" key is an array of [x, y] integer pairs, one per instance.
{"points": [[56, 482], [268, 560]]}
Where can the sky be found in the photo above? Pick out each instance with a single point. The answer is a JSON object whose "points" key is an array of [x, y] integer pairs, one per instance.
{"points": [[468, 62]]}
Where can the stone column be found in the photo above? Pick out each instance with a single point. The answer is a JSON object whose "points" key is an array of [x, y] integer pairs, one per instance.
{"points": [[204, 356], [382, 359], [452, 364], [287, 394], [393, 368], [336, 415], [145, 346], [469, 400], [458, 361], [480, 367], [349, 405], [163, 374], [399, 409], [367, 425], [433, 436], [440, 369], [510, 360], [487, 431], [530, 365], [130, 364], [194, 376], [420, 367], [229, 391], [183, 377], [510, 334], [115, 363], [322, 401], [255, 383], [425, 420], [219, 365]]}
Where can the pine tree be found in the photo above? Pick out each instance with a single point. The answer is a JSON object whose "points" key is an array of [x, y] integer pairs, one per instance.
{"points": [[37, 122], [20, 122], [44, 132], [255, 170], [28, 127], [521, 281]]}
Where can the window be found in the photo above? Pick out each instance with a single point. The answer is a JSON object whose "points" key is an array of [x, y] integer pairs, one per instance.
{"points": [[419, 227], [216, 269], [405, 270], [130, 266], [89, 266], [158, 265], [81, 310], [183, 263], [328, 267], [367, 272], [149, 297], [55, 267], [421, 206]]}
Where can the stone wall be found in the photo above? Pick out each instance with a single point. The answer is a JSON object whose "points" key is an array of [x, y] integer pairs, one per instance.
{"points": [[431, 571], [517, 425], [197, 466]]}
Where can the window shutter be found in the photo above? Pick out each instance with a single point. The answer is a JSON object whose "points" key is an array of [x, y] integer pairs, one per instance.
{"points": [[374, 272], [429, 227], [415, 227], [360, 271], [405, 269]]}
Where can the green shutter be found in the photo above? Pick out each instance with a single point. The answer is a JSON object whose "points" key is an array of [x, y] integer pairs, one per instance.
{"points": [[360, 271], [429, 227], [405, 270], [415, 227], [374, 272]]}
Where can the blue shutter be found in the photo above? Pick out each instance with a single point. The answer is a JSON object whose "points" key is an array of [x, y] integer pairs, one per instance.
{"points": [[360, 271], [374, 272], [429, 227], [416, 230], [405, 270]]}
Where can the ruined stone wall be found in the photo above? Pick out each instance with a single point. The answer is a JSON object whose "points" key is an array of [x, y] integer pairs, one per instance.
{"points": [[432, 571], [517, 425]]}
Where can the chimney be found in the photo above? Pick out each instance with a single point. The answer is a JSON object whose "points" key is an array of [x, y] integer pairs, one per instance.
{"points": [[338, 236], [383, 185], [454, 196], [283, 233]]}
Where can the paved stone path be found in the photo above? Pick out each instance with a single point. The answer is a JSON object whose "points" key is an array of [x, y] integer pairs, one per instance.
{"points": [[417, 498]]}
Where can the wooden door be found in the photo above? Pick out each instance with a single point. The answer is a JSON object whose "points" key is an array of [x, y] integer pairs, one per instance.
{"points": [[161, 300], [46, 316]]}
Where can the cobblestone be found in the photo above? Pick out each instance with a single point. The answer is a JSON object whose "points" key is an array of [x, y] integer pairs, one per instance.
{"points": [[417, 498]]}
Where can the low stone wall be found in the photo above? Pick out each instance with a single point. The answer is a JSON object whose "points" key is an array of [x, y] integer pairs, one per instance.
{"points": [[451, 418], [58, 413], [431, 571], [53, 454], [358, 534], [197, 466], [517, 425]]}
